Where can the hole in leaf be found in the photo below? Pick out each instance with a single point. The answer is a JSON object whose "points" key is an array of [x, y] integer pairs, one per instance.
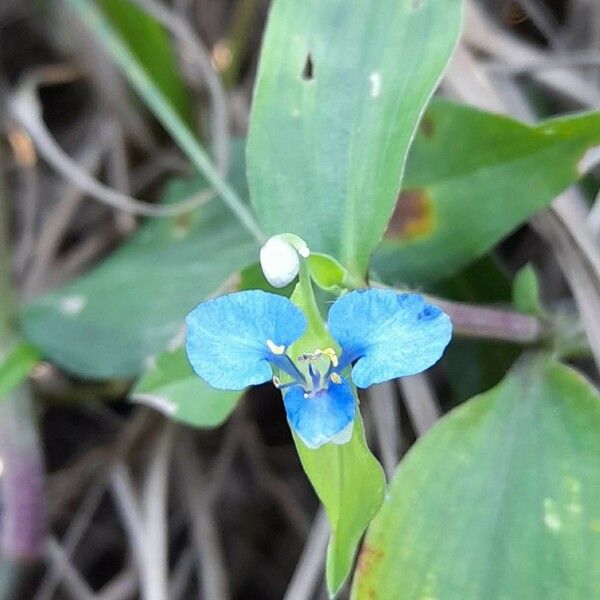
{"points": [[308, 70]]}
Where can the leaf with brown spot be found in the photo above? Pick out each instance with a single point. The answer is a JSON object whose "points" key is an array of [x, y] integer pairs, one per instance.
{"points": [[340, 89], [481, 176], [426, 127], [368, 559], [412, 216]]}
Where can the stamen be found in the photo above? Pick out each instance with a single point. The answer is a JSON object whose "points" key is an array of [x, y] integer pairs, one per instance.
{"points": [[308, 356], [283, 386], [295, 371], [331, 354], [328, 353], [335, 378], [285, 364], [274, 348]]}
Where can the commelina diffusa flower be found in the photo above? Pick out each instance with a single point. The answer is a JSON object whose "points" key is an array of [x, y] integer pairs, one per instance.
{"points": [[243, 339]]}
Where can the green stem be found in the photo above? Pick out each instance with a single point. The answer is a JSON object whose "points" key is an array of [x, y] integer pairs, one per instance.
{"points": [[305, 298]]}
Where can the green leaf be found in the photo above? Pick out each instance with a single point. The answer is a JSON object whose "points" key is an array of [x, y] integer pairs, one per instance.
{"points": [[16, 366], [350, 484], [329, 275], [526, 292], [112, 322], [340, 88], [172, 387], [472, 178], [151, 45], [326, 272], [499, 500]]}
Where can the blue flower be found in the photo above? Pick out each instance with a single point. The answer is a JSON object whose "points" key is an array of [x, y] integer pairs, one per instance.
{"points": [[243, 339]]}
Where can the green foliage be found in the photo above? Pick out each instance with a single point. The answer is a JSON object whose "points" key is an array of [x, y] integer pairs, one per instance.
{"points": [[499, 500], [16, 366], [526, 292], [350, 483], [339, 91], [172, 387], [472, 178], [329, 275], [151, 45], [114, 320]]}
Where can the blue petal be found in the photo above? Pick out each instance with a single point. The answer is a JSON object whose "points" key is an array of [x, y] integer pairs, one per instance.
{"points": [[227, 337], [392, 335], [317, 418]]}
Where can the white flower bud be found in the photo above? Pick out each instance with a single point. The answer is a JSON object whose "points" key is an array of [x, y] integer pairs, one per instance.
{"points": [[279, 261]]}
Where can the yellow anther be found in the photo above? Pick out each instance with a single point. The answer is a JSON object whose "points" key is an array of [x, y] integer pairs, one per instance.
{"points": [[331, 355], [274, 348], [335, 378], [276, 381]]}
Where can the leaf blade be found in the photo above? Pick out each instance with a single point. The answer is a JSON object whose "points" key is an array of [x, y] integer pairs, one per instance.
{"points": [[511, 478], [172, 387], [462, 194], [350, 483], [112, 321], [149, 42], [312, 162]]}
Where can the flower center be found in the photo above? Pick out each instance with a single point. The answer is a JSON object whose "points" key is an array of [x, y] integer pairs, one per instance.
{"points": [[314, 371]]}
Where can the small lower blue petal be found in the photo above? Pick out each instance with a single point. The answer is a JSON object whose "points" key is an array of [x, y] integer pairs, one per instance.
{"points": [[230, 339], [317, 418], [388, 334]]}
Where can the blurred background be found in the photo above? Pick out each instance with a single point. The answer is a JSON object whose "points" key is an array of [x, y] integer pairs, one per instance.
{"points": [[240, 517]]}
